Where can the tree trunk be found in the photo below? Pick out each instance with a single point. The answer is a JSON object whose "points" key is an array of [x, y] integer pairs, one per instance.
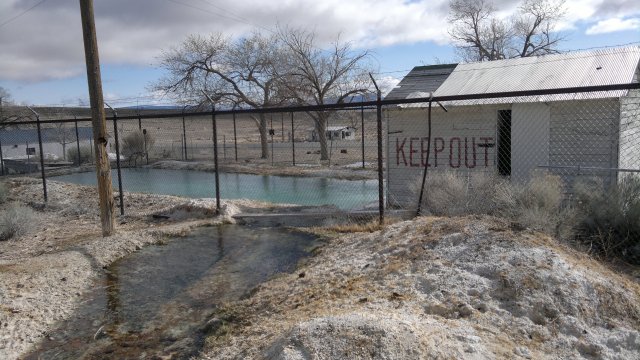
{"points": [[321, 129], [264, 136]]}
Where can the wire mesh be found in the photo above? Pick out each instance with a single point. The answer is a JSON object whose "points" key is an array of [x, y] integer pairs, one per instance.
{"points": [[283, 157]]}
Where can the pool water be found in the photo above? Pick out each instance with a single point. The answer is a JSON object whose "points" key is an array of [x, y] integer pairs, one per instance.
{"points": [[156, 302], [345, 194]]}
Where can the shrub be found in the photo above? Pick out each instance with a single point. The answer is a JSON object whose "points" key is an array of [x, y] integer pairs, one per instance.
{"points": [[609, 219], [453, 194], [85, 154], [4, 192], [137, 144], [16, 220], [536, 204]]}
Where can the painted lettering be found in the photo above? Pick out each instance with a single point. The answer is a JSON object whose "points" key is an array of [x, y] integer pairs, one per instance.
{"points": [[457, 165], [412, 151], [466, 152], [486, 149], [400, 149], [424, 152], [437, 150]]}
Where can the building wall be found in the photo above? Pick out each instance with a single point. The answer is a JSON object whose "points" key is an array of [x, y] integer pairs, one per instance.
{"points": [[529, 139], [583, 134], [561, 134], [20, 150], [629, 141], [463, 140]]}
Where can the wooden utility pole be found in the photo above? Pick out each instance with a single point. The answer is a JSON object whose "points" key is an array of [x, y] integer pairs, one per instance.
{"points": [[100, 135]]}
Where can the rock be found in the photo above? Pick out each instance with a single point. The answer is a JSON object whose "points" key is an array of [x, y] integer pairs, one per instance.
{"points": [[522, 352], [465, 310]]}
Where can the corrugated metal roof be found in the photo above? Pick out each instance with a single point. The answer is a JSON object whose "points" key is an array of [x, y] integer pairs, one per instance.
{"points": [[576, 69], [579, 69], [422, 79]]}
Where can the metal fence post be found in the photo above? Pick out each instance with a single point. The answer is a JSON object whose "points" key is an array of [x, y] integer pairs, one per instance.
{"points": [[235, 137], [115, 130], [293, 141], [184, 133], [77, 140], [215, 155], [426, 166], [362, 130], [44, 180], [380, 170], [1, 160]]}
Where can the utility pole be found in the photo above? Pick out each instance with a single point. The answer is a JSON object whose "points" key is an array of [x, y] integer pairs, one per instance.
{"points": [[100, 135]]}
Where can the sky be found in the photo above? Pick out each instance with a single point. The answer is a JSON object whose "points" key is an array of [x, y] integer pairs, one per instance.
{"points": [[42, 54]]}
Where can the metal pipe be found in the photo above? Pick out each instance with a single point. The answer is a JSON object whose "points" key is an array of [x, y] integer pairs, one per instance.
{"points": [[115, 130], [44, 179], [579, 168]]}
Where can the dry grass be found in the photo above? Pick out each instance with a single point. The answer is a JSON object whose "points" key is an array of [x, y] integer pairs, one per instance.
{"points": [[357, 227], [16, 220]]}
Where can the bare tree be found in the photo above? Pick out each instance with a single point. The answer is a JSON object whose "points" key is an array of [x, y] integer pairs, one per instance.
{"points": [[479, 35], [318, 77], [64, 136], [236, 73]]}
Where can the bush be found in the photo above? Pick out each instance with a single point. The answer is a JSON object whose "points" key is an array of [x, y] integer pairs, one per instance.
{"points": [[4, 192], [137, 144], [16, 220], [85, 154], [609, 219], [536, 204], [453, 194]]}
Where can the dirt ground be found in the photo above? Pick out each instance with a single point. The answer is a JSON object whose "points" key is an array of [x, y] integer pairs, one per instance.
{"points": [[430, 288]]}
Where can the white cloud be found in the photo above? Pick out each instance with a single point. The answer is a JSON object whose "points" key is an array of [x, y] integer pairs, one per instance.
{"points": [[46, 43], [614, 25]]}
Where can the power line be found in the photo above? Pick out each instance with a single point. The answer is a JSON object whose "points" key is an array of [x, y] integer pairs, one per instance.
{"points": [[235, 18], [22, 13]]}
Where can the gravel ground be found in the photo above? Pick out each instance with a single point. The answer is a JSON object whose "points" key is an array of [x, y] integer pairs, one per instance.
{"points": [[438, 288], [430, 288]]}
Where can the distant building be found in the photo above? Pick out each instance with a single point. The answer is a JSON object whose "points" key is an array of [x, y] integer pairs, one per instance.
{"points": [[23, 143], [335, 133], [575, 134]]}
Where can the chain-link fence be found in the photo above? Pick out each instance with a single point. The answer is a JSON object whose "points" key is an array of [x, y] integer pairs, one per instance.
{"points": [[530, 155]]}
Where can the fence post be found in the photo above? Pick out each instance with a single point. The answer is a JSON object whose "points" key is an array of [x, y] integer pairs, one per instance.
{"points": [[77, 140], [362, 130], [271, 132], [44, 180], [380, 170], [235, 137], [215, 154], [215, 149], [184, 132], [115, 131], [1, 159], [293, 141], [426, 167]]}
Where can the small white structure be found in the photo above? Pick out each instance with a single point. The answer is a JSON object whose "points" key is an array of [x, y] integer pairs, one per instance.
{"points": [[335, 133], [591, 133]]}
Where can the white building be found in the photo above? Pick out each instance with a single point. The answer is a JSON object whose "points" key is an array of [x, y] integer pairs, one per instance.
{"points": [[335, 133], [577, 134]]}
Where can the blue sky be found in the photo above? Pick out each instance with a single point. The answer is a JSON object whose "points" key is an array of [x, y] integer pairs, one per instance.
{"points": [[42, 61]]}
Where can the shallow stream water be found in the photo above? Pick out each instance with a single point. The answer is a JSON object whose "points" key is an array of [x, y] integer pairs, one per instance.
{"points": [[156, 302]]}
